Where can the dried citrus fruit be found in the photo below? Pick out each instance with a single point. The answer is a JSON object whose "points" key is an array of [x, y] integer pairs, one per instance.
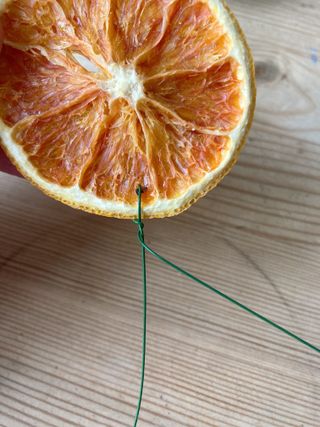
{"points": [[98, 97]]}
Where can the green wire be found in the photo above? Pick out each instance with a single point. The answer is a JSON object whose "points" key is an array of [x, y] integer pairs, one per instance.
{"points": [[144, 280], [145, 247]]}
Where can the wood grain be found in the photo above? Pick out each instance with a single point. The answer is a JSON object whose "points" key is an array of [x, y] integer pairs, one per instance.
{"points": [[70, 292]]}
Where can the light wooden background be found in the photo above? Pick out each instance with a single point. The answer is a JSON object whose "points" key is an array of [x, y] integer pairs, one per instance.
{"points": [[70, 291]]}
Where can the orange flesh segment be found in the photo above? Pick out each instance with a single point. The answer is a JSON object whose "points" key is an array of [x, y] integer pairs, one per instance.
{"points": [[120, 164], [89, 19], [135, 26], [193, 40], [60, 144], [37, 23], [44, 25], [179, 156], [209, 99], [30, 84]]}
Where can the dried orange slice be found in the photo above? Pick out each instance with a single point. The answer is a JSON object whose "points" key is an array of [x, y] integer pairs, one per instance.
{"points": [[98, 97]]}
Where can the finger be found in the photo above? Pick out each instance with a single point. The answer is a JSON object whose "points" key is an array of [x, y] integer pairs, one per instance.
{"points": [[6, 165], [1, 34]]}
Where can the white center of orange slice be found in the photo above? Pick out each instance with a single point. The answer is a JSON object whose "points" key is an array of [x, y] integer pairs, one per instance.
{"points": [[124, 83]]}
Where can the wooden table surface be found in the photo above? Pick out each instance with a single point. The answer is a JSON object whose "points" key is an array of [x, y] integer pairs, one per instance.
{"points": [[70, 289]]}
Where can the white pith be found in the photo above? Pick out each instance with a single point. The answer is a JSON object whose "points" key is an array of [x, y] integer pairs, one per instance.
{"points": [[125, 81], [86, 63]]}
